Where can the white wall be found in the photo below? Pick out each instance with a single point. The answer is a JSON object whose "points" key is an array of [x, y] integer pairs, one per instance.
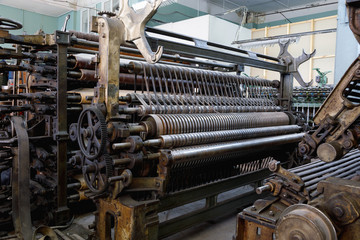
{"points": [[194, 27], [224, 32], [208, 28]]}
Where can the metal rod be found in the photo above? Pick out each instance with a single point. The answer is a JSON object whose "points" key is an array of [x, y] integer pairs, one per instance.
{"points": [[211, 150], [318, 179], [327, 170], [121, 161], [177, 140], [325, 165]]}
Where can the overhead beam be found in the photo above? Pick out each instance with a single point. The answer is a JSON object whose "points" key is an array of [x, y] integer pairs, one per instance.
{"points": [[330, 30]]}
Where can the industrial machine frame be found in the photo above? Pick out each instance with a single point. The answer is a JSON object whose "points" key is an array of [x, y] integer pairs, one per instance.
{"points": [[191, 135]]}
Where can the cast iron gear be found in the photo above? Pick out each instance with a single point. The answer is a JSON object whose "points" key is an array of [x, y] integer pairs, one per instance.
{"points": [[92, 133], [107, 14], [97, 172]]}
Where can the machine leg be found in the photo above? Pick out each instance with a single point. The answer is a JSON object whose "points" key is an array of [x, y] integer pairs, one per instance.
{"points": [[125, 218]]}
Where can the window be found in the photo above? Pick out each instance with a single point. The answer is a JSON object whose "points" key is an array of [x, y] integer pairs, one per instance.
{"points": [[115, 5], [106, 6], [86, 15], [84, 21]]}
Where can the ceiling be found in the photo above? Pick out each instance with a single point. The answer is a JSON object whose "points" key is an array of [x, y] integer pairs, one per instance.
{"points": [[52, 8], [265, 5], [273, 9], [215, 7]]}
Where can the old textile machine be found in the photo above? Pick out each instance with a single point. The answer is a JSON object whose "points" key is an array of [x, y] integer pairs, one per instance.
{"points": [[101, 118], [319, 200]]}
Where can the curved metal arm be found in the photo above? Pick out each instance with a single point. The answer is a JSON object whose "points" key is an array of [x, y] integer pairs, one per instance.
{"points": [[294, 63], [8, 24], [134, 23]]}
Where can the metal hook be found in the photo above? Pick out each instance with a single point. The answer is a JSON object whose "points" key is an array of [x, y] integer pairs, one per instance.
{"points": [[294, 63], [134, 23]]}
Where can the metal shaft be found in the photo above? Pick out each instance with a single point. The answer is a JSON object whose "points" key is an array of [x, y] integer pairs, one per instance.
{"points": [[211, 150], [188, 123]]}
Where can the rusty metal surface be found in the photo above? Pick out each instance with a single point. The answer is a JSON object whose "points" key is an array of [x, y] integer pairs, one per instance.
{"points": [[318, 200], [21, 182], [131, 219], [336, 133], [354, 14], [305, 222], [246, 230]]}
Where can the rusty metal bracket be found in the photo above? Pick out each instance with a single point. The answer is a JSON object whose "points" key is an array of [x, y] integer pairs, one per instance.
{"points": [[294, 63], [62, 41], [126, 26], [21, 182]]}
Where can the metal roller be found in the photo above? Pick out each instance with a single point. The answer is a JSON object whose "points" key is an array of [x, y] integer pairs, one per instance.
{"points": [[204, 151], [179, 140], [157, 125]]}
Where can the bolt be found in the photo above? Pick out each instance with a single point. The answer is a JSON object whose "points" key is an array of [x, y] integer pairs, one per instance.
{"points": [[253, 208], [103, 35], [338, 211], [347, 144], [273, 166], [303, 149], [271, 213]]}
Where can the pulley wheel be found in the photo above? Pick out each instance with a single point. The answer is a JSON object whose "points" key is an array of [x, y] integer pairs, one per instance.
{"points": [[304, 222], [92, 133], [97, 172]]}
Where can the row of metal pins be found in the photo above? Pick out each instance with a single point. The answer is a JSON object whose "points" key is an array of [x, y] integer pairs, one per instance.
{"points": [[191, 174], [194, 87]]}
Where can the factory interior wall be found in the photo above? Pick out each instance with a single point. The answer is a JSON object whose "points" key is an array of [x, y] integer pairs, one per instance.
{"points": [[323, 43], [32, 22], [209, 28], [224, 32], [194, 27]]}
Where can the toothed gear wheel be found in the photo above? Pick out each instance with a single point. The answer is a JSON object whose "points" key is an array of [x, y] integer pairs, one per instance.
{"points": [[107, 14], [92, 133], [97, 172]]}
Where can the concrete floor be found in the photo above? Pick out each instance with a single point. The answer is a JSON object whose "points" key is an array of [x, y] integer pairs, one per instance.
{"points": [[219, 229], [222, 228]]}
